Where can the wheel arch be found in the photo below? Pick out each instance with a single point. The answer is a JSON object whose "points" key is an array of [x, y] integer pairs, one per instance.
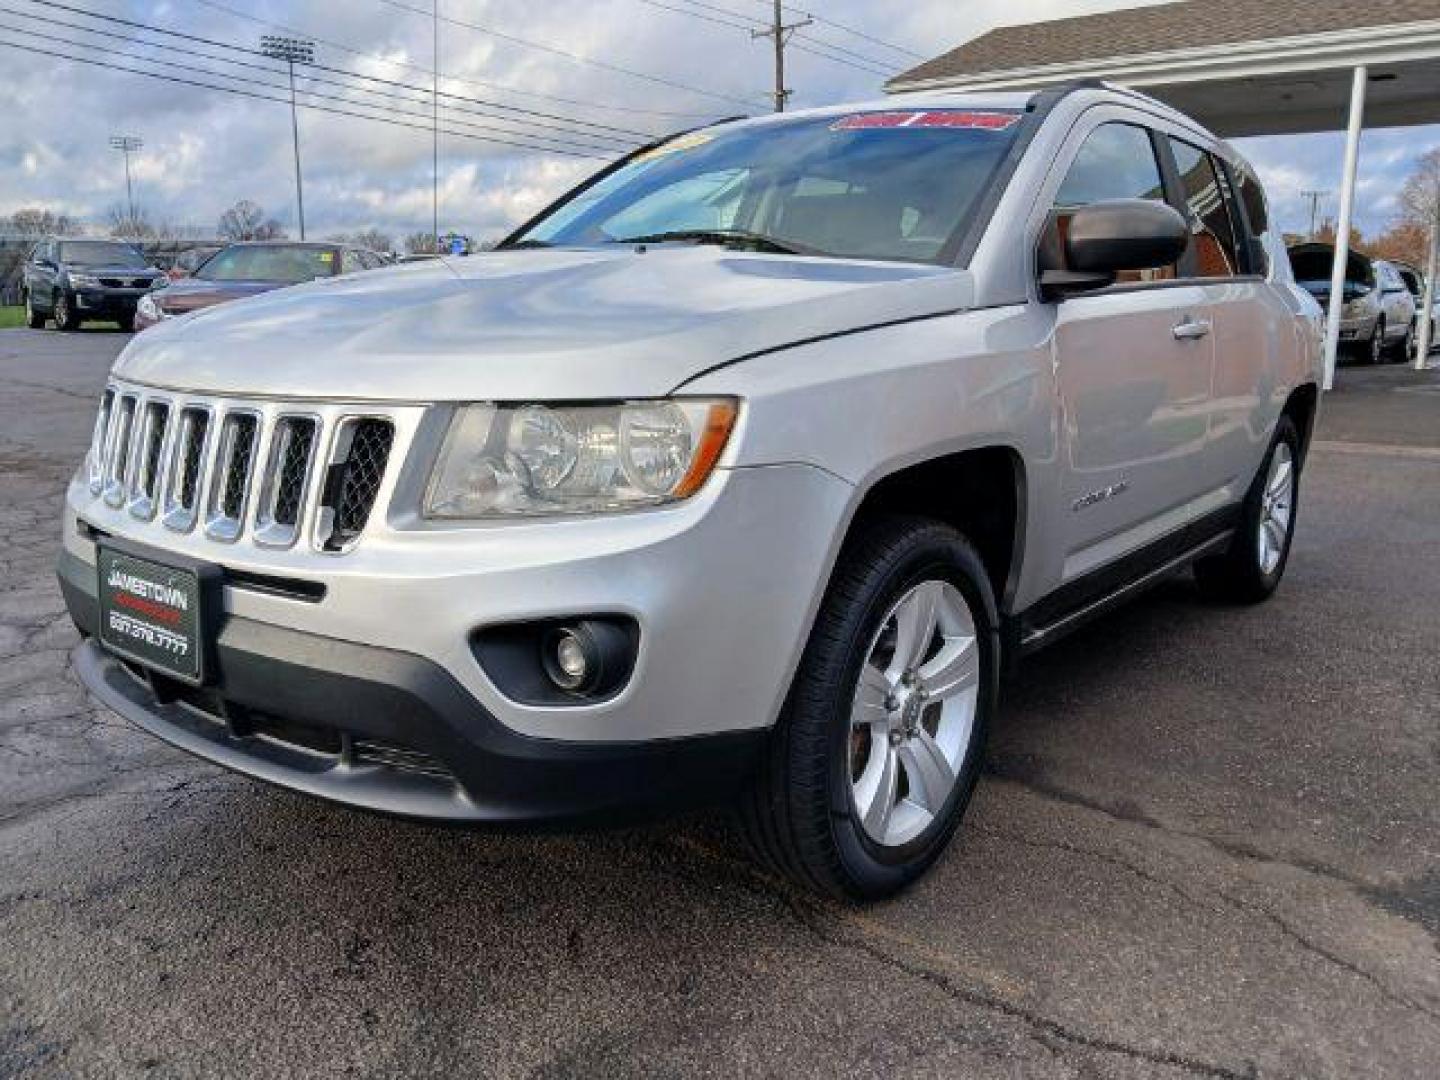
{"points": [[981, 491], [1301, 407]]}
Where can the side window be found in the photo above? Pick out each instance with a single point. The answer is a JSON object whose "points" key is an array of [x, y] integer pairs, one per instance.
{"points": [[1256, 211], [1213, 232], [1116, 161]]}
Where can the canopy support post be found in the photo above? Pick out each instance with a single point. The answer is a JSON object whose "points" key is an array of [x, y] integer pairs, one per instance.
{"points": [[1342, 230], [1427, 310]]}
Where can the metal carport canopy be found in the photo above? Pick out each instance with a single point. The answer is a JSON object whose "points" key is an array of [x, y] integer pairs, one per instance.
{"points": [[1240, 67]]}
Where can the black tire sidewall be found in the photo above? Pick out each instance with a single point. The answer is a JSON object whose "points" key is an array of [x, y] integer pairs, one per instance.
{"points": [[1284, 432], [936, 553]]}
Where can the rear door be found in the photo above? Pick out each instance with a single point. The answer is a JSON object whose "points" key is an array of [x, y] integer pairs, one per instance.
{"points": [[1134, 366], [1247, 321]]}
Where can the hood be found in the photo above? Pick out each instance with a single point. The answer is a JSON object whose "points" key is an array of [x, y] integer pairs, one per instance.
{"points": [[192, 293], [531, 324], [114, 271]]}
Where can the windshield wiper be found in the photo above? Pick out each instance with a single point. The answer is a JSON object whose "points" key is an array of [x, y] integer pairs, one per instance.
{"points": [[736, 237]]}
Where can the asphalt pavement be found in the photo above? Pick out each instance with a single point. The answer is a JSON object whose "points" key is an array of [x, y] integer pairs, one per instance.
{"points": [[1207, 844]]}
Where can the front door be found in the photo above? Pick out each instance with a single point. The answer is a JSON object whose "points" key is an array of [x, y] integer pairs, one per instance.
{"points": [[1134, 367]]}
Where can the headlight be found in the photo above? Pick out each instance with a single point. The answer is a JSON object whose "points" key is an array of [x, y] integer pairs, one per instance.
{"points": [[150, 308], [85, 281], [501, 460]]}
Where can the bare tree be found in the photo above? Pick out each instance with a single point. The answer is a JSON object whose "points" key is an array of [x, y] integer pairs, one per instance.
{"points": [[1420, 197], [421, 243], [36, 222], [122, 224], [371, 239], [247, 221]]}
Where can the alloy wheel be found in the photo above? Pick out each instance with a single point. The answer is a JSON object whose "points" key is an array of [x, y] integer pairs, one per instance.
{"points": [[1276, 504], [913, 715]]}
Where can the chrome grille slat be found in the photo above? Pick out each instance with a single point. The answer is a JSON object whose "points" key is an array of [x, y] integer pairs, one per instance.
{"points": [[95, 459], [359, 463], [230, 476], [184, 473], [118, 444], [286, 479], [227, 469], [145, 475]]}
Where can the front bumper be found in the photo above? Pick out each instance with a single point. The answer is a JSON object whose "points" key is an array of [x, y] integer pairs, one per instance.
{"points": [[722, 588], [393, 733], [107, 303]]}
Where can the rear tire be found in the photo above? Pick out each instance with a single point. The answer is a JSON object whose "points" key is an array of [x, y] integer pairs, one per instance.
{"points": [[1375, 347], [63, 313], [879, 745], [1251, 568]]}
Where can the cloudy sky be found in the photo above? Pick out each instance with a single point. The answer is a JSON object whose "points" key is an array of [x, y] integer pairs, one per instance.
{"points": [[580, 79]]}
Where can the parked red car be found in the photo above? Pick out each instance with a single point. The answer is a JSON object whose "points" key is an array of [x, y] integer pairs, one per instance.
{"points": [[250, 268]]}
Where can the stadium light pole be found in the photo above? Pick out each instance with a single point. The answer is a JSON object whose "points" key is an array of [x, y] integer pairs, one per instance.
{"points": [[128, 144], [292, 51]]}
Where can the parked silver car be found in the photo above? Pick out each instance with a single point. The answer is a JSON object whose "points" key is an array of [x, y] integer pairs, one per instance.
{"points": [[1378, 317], [737, 473], [1415, 283]]}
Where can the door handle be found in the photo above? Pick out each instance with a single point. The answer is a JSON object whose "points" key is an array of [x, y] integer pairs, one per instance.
{"points": [[1191, 330]]}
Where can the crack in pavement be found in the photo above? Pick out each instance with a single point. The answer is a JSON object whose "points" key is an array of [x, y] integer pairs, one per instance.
{"points": [[1255, 910], [806, 910]]}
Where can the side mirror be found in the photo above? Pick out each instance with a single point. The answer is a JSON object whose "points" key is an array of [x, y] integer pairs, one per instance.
{"points": [[1105, 238]]}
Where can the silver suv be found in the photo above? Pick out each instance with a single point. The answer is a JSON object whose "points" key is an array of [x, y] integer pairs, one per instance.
{"points": [[737, 473]]}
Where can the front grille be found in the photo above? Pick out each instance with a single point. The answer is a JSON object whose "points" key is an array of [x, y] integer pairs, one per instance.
{"points": [[356, 480], [113, 282], [241, 468]]}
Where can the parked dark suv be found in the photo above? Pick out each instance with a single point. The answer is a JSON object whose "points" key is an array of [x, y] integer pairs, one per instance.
{"points": [[71, 281]]}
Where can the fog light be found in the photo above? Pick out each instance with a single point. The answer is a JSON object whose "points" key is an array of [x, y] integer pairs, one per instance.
{"points": [[571, 658]]}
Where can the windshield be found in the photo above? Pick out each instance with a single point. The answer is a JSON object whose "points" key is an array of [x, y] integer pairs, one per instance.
{"points": [[283, 263], [100, 253], [890, 185]]}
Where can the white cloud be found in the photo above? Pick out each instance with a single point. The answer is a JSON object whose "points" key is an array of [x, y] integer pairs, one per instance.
{"points": [[204, 149]]}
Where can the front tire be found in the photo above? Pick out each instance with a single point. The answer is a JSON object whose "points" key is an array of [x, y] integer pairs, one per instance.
{"points": [[1251, 569], [33, 319], [879, 746]]}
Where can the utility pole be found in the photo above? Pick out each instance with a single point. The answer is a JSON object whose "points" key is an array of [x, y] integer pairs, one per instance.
{"points": [[781, 32], [128, 144], [435, 128], [1314, 197], [292, 50]]}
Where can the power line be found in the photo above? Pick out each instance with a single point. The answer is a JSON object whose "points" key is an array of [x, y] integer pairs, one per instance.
{"points": [[549, 143], [810, 45], [576, 57], [861, 34], [830, 45], [466, 80], [212, 43], [34, 49], [593, 140]]}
